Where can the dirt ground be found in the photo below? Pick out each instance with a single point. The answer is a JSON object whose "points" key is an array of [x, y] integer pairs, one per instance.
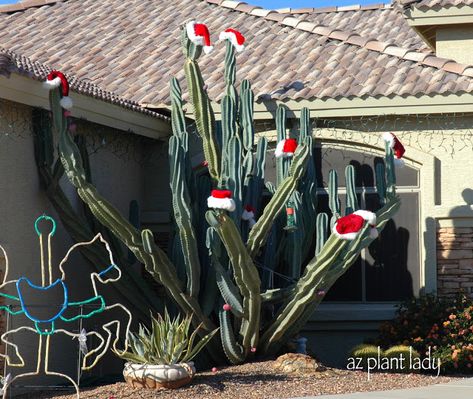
{"points": [[258, 381]]}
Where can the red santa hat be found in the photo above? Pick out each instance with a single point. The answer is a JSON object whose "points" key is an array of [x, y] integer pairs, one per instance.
{"points": [[199, 35], [235, 37], [396, 145], [57, 79], [249, 215], [348, 227], [286, 148], [221, 199]]}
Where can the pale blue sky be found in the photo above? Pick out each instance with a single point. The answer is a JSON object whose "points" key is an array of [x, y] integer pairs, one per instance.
{"points": [[285, 3]]}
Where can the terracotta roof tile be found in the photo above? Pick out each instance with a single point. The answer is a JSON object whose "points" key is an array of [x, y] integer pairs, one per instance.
{"points": [[11, 62], [133, 49], [379, 21]]}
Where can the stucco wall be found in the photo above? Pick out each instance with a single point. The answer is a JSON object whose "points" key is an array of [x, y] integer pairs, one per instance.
{"points": [[118, 168], [440, 148], [455, 43]]}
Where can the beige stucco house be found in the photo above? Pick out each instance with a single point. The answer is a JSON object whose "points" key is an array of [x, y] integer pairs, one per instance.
{"points": [[402, 67]]}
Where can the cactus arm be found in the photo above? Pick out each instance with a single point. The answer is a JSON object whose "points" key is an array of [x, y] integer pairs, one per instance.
{"points": [[282, 164], [245, 273], [142, 245], [303, 293], [178, 121], [380, 172], [260, 231], [246, 116], [203, 114], [390, 172], [330, 277], [334, 259], [228, 290], [233, 350], [183, 215], [276, 295], [305, 130], [352, 200], [322, 232], [233, 176], [334, 200]]}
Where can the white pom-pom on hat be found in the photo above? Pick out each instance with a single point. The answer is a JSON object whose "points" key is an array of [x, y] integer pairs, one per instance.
{"points": [[66, 103]]}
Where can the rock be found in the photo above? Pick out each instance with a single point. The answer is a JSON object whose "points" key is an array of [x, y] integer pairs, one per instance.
{"points": [[296, 363]]}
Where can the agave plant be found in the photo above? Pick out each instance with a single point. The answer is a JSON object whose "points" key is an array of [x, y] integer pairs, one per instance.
{"points": [[169, 341]]}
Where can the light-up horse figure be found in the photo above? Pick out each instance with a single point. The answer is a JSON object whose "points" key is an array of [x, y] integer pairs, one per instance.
{"points": [[45, 326]]}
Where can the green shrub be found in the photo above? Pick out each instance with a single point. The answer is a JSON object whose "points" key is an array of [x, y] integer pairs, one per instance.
{"points": [[168, 342], [396, 352], [365, 351], [442, 327]]}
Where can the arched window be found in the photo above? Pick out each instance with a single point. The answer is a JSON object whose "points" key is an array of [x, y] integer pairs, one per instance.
{"points": [[389, 270]]}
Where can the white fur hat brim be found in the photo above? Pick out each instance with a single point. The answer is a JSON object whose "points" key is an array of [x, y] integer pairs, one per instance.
{"points": [[370, 217], [347, 236], [52, 84], [226, 204], [230, 36]]}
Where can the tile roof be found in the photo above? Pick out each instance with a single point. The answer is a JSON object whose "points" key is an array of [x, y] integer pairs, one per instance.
{"points": [[377, 21], [132, 49], [427, 4], [13, 63]]}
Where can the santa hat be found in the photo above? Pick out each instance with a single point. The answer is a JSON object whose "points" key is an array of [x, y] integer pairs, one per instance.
{"points": [[235, 37], [199, 35], [249, 215], [57, 79], [397, 147], [221, 199], [286, 148], [348, 227]]}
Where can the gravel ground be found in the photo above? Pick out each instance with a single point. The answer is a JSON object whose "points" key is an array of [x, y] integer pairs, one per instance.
{"points": [[260, 381]]}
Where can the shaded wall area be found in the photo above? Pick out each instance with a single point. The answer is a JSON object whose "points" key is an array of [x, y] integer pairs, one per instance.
{"points": [[118, 162]]}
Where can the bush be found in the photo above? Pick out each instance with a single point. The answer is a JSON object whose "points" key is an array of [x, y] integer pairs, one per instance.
{"points": [[442, 326], [364, 351], [398, 350]]}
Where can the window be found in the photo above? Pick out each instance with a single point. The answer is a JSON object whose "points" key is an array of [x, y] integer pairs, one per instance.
{"points": [[388, 270]]}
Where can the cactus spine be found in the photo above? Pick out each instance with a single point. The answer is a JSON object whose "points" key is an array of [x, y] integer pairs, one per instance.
{"points": [[219, 250]]}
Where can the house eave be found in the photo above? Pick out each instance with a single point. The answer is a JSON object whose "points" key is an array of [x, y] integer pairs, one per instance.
{"points": [[24, 90], [357, 107], [440, 16]]}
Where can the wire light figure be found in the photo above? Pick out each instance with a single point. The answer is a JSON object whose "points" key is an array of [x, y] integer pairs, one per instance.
{"points": [[45, 326]]}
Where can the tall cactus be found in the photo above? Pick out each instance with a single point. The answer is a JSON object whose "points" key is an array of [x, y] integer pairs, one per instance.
{"points": [[224, 256]]}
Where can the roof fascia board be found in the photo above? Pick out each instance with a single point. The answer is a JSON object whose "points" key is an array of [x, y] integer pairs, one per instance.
{"points": [[339, 108], [27, 91], [443, 16]]}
